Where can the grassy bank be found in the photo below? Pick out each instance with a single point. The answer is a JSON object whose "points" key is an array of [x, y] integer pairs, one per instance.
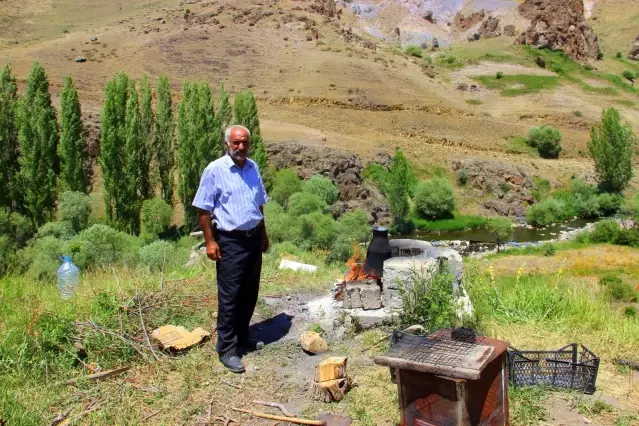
{"points": [[457, 223]]}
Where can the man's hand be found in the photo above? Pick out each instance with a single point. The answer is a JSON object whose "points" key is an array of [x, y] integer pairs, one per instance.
{"points": [[213, 251], [265, 242]]}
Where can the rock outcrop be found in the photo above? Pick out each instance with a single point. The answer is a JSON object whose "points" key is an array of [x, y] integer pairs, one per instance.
{"points": [[509, 186], [464, 23], [634, 51], [343, 168], [510, 31], [490, 28], [559, 25]]}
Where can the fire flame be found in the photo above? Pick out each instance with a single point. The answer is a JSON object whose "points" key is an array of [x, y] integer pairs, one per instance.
{"points": [[356, 266]]}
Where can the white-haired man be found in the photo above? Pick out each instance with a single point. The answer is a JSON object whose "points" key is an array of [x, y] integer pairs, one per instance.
{"points": [[232, 193]]}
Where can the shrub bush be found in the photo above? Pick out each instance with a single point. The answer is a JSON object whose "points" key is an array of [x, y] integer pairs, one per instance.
{"points": [[434, 199], [546, 139], [499, 75], [63, 230], [609, 204], [101, 245], [629, 75], [627, 237], [413, 50], [317, 231], [156, 255], [462, 177], [619, 55], [630, 312], [155, 218], [42, 258], [354, 227], [547, 212], [302, 203], [323, 187], [15, 231], [285, 184], [606, 231], [75, 207], [549, 249], [618, 289], [280, 225]]}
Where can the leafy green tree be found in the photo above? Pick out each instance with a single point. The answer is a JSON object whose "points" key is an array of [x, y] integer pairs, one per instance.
{"points": [[75, 168], [129, 203], [156, 218], [38, 143], [164, 142], [435, 199], [246, 114], [285, 184], [224, 111], [611, 146], [75, 207], [398, 186], [8, 139], [188, 149], [208, 130], [501, 228], [146, 136], [113, 141], [323, 187]]}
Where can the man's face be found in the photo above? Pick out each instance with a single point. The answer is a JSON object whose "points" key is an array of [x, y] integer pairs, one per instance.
{"points": [[239, 144]]}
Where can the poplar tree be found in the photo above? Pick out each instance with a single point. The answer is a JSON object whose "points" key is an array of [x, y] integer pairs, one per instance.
{"points": [[73, 150], [188, 152], [208, 128], [246, 114], [8, 139], [398, 188], [112, 140], [38, 143], [130, 200], [224, 113], [164, 154], [146, 135]]}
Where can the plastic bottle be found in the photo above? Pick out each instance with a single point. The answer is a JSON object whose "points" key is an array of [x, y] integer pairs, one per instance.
{"points": [[68, 278]]}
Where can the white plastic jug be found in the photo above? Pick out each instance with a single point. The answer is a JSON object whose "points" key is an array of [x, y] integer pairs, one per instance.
{"points": [[68, 278]]}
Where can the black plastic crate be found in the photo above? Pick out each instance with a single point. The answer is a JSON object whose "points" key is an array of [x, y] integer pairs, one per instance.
{"points": [[570, 367]]}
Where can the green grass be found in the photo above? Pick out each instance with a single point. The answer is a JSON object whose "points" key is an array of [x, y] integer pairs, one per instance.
{"points": [[473, 102], [518, 145], [624, 102], [413, 50], [457, 223], [526, 405], [529, 83]]}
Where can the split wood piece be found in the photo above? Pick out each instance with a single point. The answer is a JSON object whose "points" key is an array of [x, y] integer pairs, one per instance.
{"points": [[96, 376], [280, 407], [332, 368], [282, 418], [331, 390]]}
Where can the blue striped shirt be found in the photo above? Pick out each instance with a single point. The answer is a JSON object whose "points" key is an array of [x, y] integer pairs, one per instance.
{"points": [[233, 195]]}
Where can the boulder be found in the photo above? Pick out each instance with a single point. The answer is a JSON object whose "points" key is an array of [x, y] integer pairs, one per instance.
{"points": [[490, 28], [313, 343], [341, 167], [559, 25], [509, 186], [464, 23], [473, 37], [428, 16], [634, 51], [509, 30], [435, 43], [540, 61]]}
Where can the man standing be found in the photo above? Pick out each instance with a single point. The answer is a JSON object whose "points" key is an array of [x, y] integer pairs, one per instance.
{"points": [[232, 193]]}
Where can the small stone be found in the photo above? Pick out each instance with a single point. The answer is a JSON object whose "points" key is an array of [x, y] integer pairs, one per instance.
{"points": [[94, 39], [313, 343], [80, 59]]}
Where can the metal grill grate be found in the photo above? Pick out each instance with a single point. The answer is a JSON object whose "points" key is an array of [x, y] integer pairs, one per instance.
{"points": [[566, 368], [437, 350]]}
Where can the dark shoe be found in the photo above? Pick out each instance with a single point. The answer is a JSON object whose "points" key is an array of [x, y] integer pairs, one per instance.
{"points": [[232, 363]]}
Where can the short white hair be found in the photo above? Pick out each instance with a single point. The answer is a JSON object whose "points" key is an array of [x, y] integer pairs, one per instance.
{"points": [[227, 133]]}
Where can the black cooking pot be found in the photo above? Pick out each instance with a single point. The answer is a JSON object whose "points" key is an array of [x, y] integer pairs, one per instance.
{"points": [[378, 251]]}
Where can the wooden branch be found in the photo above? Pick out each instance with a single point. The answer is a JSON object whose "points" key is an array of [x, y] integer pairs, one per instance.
{"points": [[99, 329], [295, 420], [146, 335], [281, 407], [96, 376], [149, 416], [230, 384]]}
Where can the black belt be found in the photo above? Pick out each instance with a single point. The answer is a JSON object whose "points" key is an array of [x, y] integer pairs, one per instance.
{"points": [[238, 233]]}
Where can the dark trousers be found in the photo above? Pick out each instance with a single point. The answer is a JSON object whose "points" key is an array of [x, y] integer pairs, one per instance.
{"points": [[238, 282]]}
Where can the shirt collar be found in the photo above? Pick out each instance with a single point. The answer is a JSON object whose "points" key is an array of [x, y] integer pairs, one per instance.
{"points": [[230, 163]]}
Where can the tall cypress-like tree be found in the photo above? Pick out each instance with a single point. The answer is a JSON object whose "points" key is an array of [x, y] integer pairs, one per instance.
{"points": [[246, 114], [146, 129], [224, 113], [130, 200], [38, 143], [188, 149], [112, 141], [73, 151], [8, 140], [399, 184], [164, 154], [208, 127]]}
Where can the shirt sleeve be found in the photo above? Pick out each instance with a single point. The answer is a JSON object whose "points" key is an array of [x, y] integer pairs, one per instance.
{"points": [[262, 195], [205, 196]]}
